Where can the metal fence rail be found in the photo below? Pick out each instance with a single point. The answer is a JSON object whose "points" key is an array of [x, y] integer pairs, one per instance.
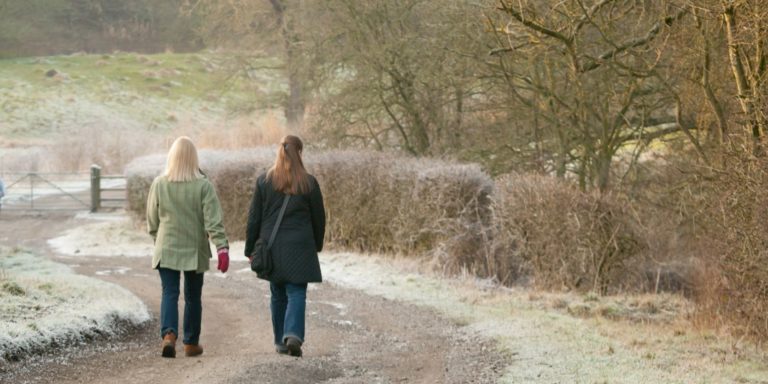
{"points": [[46, 191], [33, 191]]}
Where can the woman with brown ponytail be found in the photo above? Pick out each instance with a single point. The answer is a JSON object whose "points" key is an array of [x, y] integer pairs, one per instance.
{"points": [[298, 240]]}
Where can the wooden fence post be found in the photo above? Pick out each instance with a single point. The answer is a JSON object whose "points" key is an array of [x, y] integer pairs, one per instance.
{"points": [[95, 188]]}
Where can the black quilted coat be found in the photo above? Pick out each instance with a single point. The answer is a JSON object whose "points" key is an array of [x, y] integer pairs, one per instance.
{"points": [[300, 236]]}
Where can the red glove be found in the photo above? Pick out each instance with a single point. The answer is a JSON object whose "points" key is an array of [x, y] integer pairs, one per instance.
{"points": [[223, 259]]}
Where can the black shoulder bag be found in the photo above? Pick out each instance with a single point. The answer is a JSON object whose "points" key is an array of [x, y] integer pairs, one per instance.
{"points": [[262, 262]]}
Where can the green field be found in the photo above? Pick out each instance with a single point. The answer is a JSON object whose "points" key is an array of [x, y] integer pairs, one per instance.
{"points": [[64, 113], [129, 92]]}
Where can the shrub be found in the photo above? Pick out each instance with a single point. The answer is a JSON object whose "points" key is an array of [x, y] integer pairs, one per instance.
{"points": [[375, 202], [730, 215], [13, 288], [563, 237]]}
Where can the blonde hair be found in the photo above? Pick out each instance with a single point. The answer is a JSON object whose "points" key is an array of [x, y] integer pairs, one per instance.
{"points": [[288, 174], [183, 164]]}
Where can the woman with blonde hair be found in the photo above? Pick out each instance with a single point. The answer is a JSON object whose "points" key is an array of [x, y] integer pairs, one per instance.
{"points": [[183, 213], [290, 195]]}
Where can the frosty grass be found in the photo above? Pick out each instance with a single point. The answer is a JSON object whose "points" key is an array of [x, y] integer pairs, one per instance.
{"points": [[44, 305]]}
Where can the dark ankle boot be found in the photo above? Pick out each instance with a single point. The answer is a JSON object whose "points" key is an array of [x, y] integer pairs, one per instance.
{"points": [[169, 345], [294, 346]]}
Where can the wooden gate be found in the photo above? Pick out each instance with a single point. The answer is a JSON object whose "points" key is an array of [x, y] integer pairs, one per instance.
{"points": [[107, 191]]}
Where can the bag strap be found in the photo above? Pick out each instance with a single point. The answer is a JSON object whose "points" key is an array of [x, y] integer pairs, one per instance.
{"points": [[277, 224]]}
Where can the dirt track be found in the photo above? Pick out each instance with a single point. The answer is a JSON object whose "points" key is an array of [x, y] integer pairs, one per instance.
{"points": [[351, 337]]}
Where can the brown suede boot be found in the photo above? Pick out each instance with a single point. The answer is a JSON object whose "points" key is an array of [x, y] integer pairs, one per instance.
{"points": [[192, 350], [169, 345]]}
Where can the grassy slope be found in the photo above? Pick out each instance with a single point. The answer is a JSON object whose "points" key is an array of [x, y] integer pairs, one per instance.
{"points": [[109, 109], [125, 92]]}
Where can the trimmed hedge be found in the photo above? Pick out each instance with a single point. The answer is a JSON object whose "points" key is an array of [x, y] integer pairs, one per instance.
{"points": [[375, 202], [386, 203]]}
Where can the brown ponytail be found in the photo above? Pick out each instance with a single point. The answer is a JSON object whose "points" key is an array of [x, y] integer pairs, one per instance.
{"points": [[288, 174]]}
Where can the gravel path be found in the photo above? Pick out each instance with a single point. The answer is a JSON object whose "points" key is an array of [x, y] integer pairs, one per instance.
{"points": [[352, 337], [379, 321]]}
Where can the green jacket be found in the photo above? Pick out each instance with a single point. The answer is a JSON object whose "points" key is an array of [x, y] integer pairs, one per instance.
{"points": [[181, 217]]}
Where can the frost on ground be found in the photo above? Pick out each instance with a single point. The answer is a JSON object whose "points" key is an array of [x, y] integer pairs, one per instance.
{"points": [[115, 235], [46, 305], [109, 238], [550, 345], [549, 337]]}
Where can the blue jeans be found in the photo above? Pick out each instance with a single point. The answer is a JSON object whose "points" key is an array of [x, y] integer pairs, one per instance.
{"points": [[193, 307], [288, 304]]}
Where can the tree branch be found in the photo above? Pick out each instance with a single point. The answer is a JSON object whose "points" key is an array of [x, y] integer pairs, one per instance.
{"points": [[664, 129], [566, 40], [531, 24], [498, 51], [396, 122], [635, 42], [588, 14]]}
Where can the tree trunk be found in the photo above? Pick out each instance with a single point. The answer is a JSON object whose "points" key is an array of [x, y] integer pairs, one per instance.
{"points": [[742, 86], [295, 106], [455, 135], [604, 170], [562, 155], [720, 134], [417, 126]]}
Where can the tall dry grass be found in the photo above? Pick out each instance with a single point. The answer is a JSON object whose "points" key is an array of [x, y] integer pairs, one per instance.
{"points": [[238, 132], [707, 227], [112, 148]]}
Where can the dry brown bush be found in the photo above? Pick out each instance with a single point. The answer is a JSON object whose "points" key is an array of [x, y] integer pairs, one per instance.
{"points": [[726, 205], [661, 197], [565, 238], [376, 202]]}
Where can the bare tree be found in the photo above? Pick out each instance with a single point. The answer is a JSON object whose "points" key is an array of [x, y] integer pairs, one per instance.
{"points": [[567, 87], [402, 77], [266, 28], [597, 81]]}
